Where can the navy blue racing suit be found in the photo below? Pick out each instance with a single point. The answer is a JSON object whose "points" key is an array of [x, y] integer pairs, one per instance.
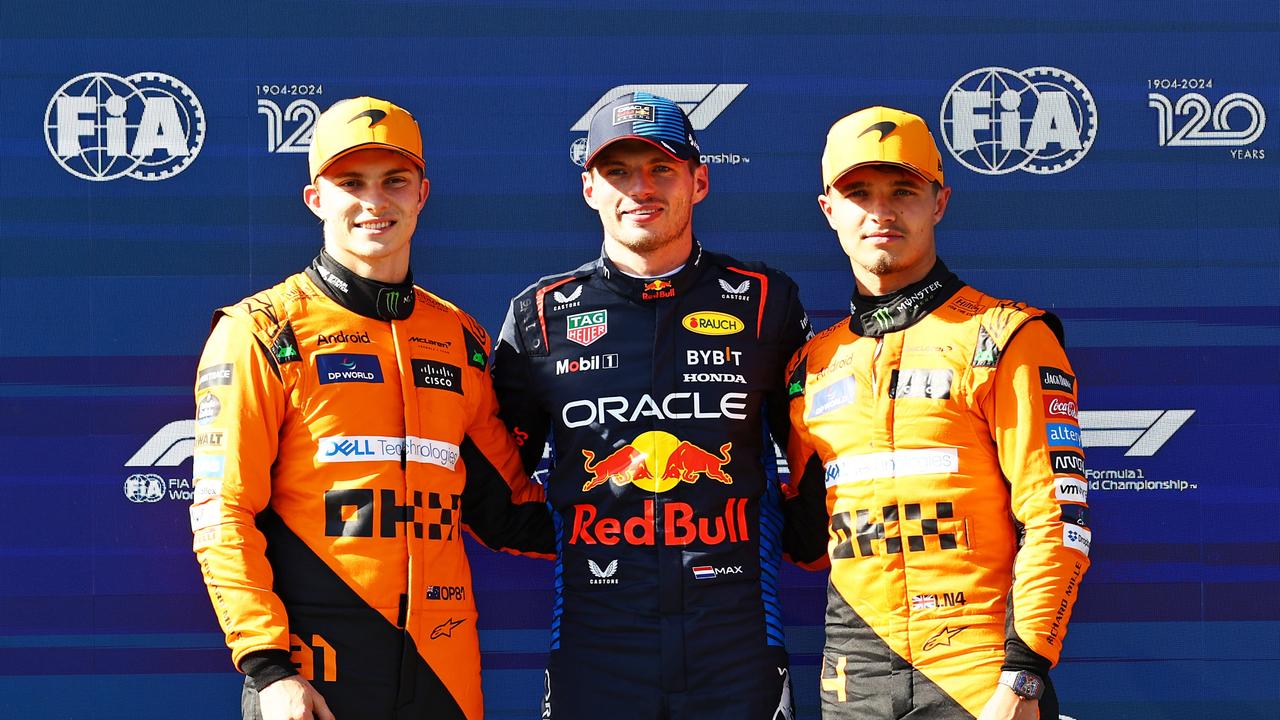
{"points": [[656, 394]]}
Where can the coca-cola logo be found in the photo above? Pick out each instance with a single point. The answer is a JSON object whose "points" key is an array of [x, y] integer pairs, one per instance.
{"points": [[1055, 406]]}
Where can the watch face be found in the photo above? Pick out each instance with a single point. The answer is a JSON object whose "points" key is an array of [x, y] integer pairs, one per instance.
{"points": [[1028, 686]]}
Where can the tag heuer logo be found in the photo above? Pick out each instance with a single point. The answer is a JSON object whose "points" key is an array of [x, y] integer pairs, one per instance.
{"points": [[588, 327]]}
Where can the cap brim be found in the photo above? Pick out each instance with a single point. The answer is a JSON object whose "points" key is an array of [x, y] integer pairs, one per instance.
{"points": [[369, 146], [914, 170], [651, 141]]}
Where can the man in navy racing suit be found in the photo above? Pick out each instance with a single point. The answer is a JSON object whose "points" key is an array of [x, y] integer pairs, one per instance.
{"points": [[655, 369]]}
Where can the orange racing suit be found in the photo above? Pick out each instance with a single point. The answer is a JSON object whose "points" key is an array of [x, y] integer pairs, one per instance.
{"points": [[346, 433], [945, 424]]}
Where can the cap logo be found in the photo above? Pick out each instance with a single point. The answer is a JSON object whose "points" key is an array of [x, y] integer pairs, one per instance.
{"points": [[886, 127], [375, 116], [633, 112]]}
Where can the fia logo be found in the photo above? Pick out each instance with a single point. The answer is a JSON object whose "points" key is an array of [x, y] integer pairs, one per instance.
{"points": [[147, 126], [1199, 113], [298, 117], [1041, 120], [144, 488]]}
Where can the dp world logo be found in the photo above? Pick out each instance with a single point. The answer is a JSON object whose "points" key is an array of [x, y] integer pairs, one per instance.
{"points": [[147, 126], [1041, 120]]}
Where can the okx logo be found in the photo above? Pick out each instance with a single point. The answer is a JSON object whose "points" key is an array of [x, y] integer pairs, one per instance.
{"points": [[702, 102], [1041, 120], [147, 126]]}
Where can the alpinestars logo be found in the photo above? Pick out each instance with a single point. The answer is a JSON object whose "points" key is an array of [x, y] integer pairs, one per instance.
{"points": [[702, 102]]}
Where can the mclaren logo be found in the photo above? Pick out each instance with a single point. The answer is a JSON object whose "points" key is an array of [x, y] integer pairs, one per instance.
{"points": [[885, 129], [375, 116]]}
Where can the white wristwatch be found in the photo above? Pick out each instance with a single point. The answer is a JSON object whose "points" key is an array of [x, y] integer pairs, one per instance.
{"points": [[1025, 685]]}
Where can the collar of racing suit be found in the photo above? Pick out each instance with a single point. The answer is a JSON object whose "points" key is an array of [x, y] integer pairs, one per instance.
{"points": [[874, 316], [360, 295], [652, 288]]}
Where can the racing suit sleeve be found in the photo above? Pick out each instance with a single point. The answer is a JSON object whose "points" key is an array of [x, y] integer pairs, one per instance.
{"points": [[501, 506], [240, 409], [806, 513], [517, 400], [1039, 466]]}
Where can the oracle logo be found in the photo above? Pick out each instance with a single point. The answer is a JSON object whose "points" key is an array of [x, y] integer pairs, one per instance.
{"points": [[1055, 406]]}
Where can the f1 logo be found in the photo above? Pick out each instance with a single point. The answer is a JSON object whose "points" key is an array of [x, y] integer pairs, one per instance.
{"points": [[703, 103]]}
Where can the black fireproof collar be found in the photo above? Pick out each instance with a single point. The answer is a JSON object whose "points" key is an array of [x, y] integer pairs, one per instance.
{"points": [[649, 289], [360, 295], [874, 316]]}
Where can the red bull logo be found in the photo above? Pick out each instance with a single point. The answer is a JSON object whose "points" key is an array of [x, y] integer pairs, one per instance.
{"points": [[624, 465], [680, 522], [658, 289], [657, 461]]}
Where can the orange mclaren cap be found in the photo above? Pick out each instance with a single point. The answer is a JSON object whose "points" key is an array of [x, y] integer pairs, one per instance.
{"points": [[880, 135], [362, 123]]}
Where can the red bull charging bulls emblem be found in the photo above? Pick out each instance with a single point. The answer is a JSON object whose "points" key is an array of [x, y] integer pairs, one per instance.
{"points": [[656, 462]]}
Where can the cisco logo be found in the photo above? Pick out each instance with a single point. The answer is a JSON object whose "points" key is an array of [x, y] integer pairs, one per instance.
{"points": [[1040, 120], [147, 126]]}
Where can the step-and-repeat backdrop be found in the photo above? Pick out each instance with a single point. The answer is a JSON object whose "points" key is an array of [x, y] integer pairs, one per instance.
{"points": [[1114, 162]]}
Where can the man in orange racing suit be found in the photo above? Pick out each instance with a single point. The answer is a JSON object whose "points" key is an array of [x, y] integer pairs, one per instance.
{"points": [[945, 424], [346, 433]]}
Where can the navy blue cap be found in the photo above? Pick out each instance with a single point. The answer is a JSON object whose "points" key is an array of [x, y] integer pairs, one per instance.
{"points": [[643, 116]]}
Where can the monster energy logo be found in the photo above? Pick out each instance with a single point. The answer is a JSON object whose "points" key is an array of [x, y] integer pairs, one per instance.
{"points": [[883, 318], [391, 298]]}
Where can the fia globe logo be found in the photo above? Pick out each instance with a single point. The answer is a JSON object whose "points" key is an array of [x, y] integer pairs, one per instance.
{"points": [[1040, 120], [147, 126]]}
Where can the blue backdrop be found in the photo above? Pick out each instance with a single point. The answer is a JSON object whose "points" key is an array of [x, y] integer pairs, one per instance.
{"points": [[1112, 162]]}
